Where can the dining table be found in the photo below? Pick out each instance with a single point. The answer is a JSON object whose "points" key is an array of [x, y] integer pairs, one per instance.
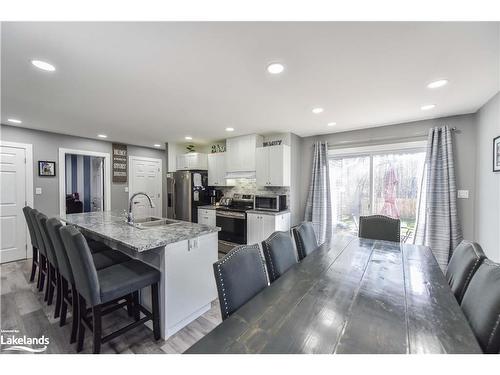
{"points": [[350, 295]]}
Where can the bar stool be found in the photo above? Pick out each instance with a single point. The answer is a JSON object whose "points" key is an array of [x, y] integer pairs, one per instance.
{"points": [[98, 287], [42, 263], [34, 245]]}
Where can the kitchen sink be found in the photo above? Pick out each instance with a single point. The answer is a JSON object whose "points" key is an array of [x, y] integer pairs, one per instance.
{"points": [[152, 222]]}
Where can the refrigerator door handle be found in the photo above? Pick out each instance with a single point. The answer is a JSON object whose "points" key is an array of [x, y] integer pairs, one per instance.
{"points": [[174, 198]]}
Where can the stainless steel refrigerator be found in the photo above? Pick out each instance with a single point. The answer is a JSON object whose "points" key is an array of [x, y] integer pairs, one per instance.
{"points": [[186, 190]]}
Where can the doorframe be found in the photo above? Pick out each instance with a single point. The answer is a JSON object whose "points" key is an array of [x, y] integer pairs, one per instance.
{"points": [[160, 161], [29, 172], [62, 176]]}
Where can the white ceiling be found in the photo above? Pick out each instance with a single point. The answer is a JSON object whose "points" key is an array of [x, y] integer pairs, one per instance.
{"points": [[146, 83]]}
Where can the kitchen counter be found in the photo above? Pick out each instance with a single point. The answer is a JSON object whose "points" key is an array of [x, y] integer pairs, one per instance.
{"points": [[183, 252], [112, 226], [271, 213]]}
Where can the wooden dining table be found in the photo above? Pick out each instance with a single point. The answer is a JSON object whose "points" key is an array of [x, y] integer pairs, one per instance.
{"points": [[351, 295]]}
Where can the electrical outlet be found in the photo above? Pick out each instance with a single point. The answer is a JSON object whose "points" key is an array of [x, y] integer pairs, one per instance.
{"points": [[463, 194], [38, 190], [126, 189]]}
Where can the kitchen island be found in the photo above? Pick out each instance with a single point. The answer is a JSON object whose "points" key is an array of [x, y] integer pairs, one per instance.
{"points": [[184, 253]]}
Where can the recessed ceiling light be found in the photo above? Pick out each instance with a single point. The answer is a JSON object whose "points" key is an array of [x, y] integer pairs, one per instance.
{"points": [[317, 110], [427, 107], [188, 138], [102, 135], [43, 65], [14, 120], [157, 145], [331, 124], [437, 84], [230, 129], [275, 68]]}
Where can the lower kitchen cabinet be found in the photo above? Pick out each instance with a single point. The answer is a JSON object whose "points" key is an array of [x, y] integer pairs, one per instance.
{"points": [[262, 225], [206, 217]]}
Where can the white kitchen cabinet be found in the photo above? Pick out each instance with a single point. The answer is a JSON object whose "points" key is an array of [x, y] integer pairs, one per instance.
{"points": [[240, 153], [217, 169], [273, 166], [261, 225], [206, 217], [192, 160]]}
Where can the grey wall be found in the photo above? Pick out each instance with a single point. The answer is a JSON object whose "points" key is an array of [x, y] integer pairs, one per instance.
{"points": [[487, 197], [46, 147], [465, 154], [295, 204]]}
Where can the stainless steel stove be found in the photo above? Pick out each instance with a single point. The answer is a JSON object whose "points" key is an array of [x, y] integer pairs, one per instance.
{"points": [[231, 217]]}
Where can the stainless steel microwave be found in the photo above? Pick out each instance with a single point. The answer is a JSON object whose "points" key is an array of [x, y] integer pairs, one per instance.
{"points": [[270, 202]]}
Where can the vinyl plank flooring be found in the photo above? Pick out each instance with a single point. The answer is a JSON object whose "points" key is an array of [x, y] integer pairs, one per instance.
{"points": [[22, 308]]}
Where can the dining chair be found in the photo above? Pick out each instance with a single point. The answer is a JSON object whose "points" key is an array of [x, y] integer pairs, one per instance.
{"points": [[97, 288], [464, 262], [379, 227], [35, 259], [239, 276], [481, 306], [42, 253], [279, 254], [305, 239]]}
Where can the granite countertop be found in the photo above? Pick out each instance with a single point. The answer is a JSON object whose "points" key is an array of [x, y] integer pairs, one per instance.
{"points": [[208, 207], [271, 213], [112, 226]]}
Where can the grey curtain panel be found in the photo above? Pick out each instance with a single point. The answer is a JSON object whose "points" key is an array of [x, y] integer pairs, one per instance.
{"points": [[437, 221], [319, 202]]}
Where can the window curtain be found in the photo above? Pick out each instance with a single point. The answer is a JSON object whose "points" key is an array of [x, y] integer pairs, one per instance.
{"points": [[437, 222], [319, 203]]}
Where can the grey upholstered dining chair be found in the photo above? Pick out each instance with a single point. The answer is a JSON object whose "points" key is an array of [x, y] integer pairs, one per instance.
{"points": [[481, 306], [35, 258], [464, 262], [279, 253], [305, 239], [239, 276], [379, 227]]}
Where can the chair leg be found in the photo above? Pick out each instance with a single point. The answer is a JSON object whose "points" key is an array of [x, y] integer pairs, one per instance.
{"points": [[75, 313], [64, 304], [51, 287], [43, 271], [57, 310], [156, 311], [137, 311], [81, 327], [130, 305], [96, 320], [33, 264]]}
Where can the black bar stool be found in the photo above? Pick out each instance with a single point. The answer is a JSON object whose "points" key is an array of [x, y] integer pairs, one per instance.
{"points": [[96, 288], [34, 262], [42, 263]]}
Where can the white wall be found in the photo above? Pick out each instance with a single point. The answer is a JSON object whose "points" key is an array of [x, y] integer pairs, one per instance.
{"points": [[487, 197]]}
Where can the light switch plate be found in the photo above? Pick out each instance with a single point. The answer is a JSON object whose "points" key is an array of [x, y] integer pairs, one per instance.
{"points": [[38, 190], [463, 194], [126, 189]]}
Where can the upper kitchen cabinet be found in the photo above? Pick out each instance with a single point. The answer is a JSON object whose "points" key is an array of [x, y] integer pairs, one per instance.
{"points": [[273, 166], [217, 169], [193, 160], [240, 153]]}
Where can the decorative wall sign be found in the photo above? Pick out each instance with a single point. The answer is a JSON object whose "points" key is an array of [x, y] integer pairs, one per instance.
{"points": [[46, 168], [218, 148], [119, 162], [272, 143], [496, 154]]}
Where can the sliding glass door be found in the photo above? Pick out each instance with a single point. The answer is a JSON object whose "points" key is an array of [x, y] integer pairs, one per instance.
{"points": [[376, 181]]}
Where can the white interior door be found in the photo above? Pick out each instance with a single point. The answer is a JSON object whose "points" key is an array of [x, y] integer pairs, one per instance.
{"points": [[12, 200], [145, 176]]}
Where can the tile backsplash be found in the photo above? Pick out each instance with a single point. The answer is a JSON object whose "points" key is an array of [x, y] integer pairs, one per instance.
{"points": [[249, 186]]}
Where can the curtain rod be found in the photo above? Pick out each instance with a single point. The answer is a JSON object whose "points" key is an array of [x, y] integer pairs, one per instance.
{"points": [[379, 139]]}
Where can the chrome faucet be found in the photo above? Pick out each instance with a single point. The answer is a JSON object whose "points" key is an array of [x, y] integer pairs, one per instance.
{"points": [[130, 217]]}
